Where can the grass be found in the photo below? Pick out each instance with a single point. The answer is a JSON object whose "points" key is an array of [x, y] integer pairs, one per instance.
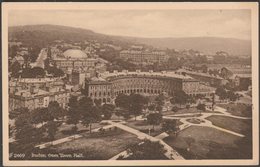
{"points": [[64, 130], [238, 109], [195, 121], [96, 146], [143, 126], [209, 143], [233, 124], [191, 110]]}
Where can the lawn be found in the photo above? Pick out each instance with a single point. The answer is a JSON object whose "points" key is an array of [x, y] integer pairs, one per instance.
{"points": [[209, 143], [185, 111], [143, 126], [96, 146], [233, 124], [64, 130], [238, 109]]}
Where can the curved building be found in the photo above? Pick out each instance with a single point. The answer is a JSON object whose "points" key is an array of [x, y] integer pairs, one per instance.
{"points": [[108, 85]]}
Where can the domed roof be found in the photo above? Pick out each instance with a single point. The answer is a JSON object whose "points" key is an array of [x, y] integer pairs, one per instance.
{"points": [[75, 54]]}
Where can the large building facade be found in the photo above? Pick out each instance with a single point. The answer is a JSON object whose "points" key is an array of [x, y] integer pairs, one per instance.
{"points": [[34, 93], [74, 59], [144, 57], [38, 98], [108, 85]]}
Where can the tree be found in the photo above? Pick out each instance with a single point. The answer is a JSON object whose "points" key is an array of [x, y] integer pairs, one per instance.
{"points": [[122, 101], [40, 115], [107, 110], [136, 104], [89, 112], [15, 69], [213, 102], [35, 72], [73, 113], [23, 119], [28, 134], [17, 112], [175, 109], [151, 107], [97, 102], [51, 128], [221, 92], [170, 126], [55, 110], [204, 68], [232, 96], [12, 51], [201, 107], [124, 113], [154, 119], [159, 102], [34, 52], [179, 97], [147, 150]]}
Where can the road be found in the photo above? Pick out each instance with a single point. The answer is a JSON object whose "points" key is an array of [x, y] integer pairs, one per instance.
{"points": [[40, 60]]}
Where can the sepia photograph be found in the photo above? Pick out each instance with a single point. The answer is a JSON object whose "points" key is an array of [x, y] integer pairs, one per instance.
{"points": [[130, 84]]}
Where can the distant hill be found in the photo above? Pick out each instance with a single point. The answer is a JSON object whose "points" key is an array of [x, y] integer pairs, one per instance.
{"points": [[208, 45]]}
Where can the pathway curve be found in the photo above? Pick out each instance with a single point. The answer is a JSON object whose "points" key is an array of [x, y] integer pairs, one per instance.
{"points": [[170, 152], [204, 121]]}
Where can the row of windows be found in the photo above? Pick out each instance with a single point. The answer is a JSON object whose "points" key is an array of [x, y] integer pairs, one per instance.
{"points": [[99, 94], [99, 87]]}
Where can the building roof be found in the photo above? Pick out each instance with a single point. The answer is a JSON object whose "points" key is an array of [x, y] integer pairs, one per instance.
{"points": [[199, 74], [75, 54], [169, 74]]}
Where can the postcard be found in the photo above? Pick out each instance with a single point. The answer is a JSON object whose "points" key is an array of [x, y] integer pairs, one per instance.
{"points": [[117, 84]]}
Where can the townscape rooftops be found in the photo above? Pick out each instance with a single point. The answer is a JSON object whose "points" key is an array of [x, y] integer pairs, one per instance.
{"points": [[38, 92], [199, 73], [36, 80], [170, 74], [142, 52]]}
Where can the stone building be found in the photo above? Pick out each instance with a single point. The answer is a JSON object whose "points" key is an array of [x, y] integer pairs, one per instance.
{"points": [[107, 86], [205, 78], [39, 83], [74, 59], [33, 98], [144, 57]]}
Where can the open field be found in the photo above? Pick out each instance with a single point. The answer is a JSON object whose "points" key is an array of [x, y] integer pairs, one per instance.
{"points": [[208, 143], [96, 146], [238, 109], [233, 124]]}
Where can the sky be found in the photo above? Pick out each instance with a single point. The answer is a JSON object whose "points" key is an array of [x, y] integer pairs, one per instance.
{"points": [[145, 23]]}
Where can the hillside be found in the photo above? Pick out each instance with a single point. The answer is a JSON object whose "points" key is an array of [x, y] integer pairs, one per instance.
{"points": [[209, 45], [43, 34]]}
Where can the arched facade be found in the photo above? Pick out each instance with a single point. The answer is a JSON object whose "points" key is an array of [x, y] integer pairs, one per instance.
{"points": [[142, 83]]}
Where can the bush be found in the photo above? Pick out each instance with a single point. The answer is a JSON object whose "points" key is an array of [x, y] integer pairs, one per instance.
{"points": [[175, 109]]}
